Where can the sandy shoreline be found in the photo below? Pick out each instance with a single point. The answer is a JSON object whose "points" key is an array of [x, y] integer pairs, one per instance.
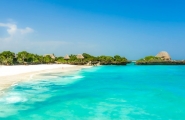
{"points": [[11, 75]]}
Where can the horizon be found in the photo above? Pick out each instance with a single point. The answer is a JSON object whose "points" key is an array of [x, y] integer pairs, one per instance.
{"points": [[82, 54], [132, 29]]}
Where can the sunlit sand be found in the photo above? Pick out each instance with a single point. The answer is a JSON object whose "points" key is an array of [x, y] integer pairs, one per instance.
{"points": [[11, 75]]}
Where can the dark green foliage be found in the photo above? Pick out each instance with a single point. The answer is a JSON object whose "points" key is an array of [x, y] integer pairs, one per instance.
{"points": [[106, 59], [88, 57], [148, 59], [118, 59], [24, 57], [47, 59], [61, 60], [72, 57], [7, 57], [8, 54]]}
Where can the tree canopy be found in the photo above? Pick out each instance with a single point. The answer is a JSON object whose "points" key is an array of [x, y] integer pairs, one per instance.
{"points": [[24, 57], [149, 59]]}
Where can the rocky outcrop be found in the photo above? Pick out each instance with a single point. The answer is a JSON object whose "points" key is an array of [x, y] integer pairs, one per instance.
{"points": [[161, 63]]}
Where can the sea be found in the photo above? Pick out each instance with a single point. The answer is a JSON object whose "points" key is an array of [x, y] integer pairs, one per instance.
{"points": [[131, 92]]}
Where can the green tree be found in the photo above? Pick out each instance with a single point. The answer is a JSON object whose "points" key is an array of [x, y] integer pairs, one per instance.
{"points": [[60, 60], [23, 56], [40, 58], [149, 59], [47, 59], [3, 60], [7, 57], [105, 59], [88, 57]]}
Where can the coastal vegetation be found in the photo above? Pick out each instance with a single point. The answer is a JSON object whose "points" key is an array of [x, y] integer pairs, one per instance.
{"points": [[155, 60], [148, 60], [162, 58], [25, 58]]}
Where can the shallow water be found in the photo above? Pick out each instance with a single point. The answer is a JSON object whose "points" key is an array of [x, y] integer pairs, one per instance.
{"points": [[100, 93]]}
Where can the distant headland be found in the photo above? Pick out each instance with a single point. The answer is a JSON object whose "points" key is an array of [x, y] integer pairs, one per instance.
{"points": [[162, 58]]}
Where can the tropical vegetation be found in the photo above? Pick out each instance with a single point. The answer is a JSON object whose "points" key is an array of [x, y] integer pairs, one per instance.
{"points": [[24, 57], [149, 59]]}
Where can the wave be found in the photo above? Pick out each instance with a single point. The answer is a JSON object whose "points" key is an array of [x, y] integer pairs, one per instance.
{"points": [[77, 77], [13, 97]]}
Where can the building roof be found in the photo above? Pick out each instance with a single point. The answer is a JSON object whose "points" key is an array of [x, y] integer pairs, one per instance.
{"points": [[80, 56], [66, 57], [163, 54]]}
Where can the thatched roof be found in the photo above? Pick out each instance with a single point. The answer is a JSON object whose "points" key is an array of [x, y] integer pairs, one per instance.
{"points": [[80, 56], [51, 55], [67, 57], [164, 55]]}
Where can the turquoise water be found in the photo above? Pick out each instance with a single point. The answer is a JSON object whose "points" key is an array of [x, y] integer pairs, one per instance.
{"points": [[100, 93]]}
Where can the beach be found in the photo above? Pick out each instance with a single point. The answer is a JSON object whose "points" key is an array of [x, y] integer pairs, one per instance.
{"points": [[11, 75], [104, 92]]}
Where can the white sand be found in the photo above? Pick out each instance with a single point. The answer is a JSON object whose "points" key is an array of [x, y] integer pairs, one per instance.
{"points": [[20, 69], [10, 75]]}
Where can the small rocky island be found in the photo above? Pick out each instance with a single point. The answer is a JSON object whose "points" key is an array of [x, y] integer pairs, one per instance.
{"points": [[162, 58]]}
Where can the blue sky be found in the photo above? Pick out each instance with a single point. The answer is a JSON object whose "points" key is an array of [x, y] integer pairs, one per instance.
{"points": [[130, 28]]}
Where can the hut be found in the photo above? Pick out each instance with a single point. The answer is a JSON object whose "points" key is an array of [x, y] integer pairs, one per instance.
{"points": [[51, 55], [164, 55], [66, 57], [80, 56]]}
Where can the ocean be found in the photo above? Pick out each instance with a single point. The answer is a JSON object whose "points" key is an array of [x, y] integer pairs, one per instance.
{"points": [[99, 93]]}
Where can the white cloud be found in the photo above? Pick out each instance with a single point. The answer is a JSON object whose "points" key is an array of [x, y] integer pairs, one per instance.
{"points": [[16, 36], [19, 40], [12, 29], [26, 30]]}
